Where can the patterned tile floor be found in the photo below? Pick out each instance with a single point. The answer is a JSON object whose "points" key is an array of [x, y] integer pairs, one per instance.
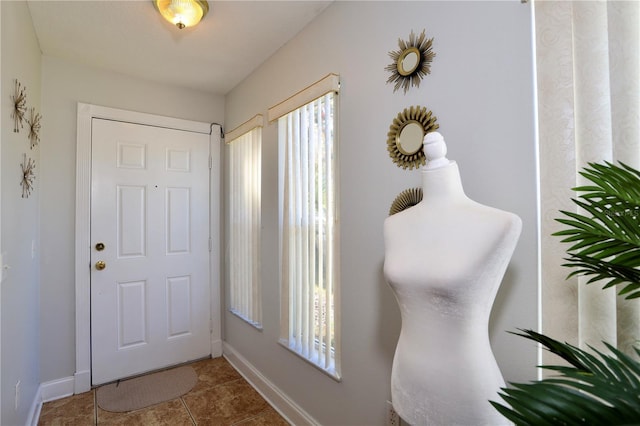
{"points": [[221, 397]]}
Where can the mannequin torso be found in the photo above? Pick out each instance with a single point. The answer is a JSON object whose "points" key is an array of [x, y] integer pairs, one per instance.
{"points": [[444, 260]]}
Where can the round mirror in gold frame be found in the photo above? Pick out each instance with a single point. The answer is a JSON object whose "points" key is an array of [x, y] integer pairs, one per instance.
{"points": [[408, 61], [406, 132], [409, 137]]}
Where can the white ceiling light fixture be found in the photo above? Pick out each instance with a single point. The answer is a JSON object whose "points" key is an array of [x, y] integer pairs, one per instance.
{"points": [[182, 13]]}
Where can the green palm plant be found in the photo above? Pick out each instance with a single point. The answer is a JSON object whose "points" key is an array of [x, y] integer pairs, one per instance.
{"points": [[595, 388], [606, 244]]}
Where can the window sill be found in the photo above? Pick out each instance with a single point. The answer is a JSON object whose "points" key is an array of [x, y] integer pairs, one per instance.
{"points": [[331, 371], [254, 324]]}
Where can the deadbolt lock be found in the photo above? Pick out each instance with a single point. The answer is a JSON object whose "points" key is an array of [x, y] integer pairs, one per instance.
{"points": [[100, 265], [100, 246]]}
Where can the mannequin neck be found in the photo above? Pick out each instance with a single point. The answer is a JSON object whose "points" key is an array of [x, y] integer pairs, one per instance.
{"points": [[442, 183]]}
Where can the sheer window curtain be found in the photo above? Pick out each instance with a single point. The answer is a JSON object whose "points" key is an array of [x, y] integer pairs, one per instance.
{"points": [[588, 110], [244, 189]]}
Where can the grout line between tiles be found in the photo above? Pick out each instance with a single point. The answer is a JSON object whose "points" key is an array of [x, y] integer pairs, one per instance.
{"points": [[95, 407], [260, 414], [184, 404]]}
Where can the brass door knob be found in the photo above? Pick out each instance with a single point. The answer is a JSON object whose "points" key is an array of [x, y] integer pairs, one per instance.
{"points": [[100, 265]]}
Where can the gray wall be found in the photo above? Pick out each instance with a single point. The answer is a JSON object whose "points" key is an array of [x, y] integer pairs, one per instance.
{"points": [[63, 85], [20, 219], [481, 90]]}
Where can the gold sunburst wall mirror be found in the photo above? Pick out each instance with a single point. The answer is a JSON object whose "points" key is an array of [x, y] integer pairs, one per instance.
{"points": [[406, 133], [412, 62], [407, 198]]}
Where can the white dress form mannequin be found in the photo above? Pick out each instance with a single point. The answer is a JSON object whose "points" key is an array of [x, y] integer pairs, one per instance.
{"points": [[444, 259]]}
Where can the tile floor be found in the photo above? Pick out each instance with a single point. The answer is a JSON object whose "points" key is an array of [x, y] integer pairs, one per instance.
{"points": [[221, 397]]}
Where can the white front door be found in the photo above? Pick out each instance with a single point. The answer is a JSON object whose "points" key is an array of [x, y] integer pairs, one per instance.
{"points": [[150, 284]]}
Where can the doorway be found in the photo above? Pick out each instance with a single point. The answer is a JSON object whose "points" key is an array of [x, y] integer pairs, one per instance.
{"points": [[85, 247]]}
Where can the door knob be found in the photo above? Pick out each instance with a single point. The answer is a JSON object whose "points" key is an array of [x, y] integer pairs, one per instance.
{"points": [[100, 265]]}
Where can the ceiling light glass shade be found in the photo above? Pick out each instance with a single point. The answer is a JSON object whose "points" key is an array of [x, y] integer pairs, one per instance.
{"points": [[182, 13]]}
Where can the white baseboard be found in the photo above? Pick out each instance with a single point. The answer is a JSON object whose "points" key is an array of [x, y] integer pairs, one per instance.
{"points": [[34, 410], [216, 348], [49, 391], [82, 382], [56, 389], [291, 411]]}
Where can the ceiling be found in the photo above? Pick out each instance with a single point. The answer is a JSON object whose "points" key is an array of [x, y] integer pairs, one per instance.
{"points": [[130, 37]]}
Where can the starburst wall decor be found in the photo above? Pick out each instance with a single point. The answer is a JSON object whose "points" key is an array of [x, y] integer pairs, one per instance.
{"points": [[407, 198], [28, 175], [19, 99], [34, 127], [410, 154], [412, 62]]}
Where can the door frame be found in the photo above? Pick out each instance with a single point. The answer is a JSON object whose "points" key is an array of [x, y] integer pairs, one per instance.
{"points": [[85, 114]]}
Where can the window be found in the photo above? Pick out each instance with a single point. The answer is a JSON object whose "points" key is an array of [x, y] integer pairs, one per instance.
{"points": [[309, 227], [244, 189]]}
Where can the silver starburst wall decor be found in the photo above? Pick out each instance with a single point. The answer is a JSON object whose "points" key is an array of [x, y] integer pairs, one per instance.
{"points": [[34, 127], [19, 99], [28, 167]]}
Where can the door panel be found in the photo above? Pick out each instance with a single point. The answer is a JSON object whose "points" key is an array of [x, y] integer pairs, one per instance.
{"points": [[150, 208], [131, 231]]}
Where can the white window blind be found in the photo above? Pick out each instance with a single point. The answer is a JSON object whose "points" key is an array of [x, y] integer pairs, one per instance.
{"points": [[308, 225], [244, 189]]}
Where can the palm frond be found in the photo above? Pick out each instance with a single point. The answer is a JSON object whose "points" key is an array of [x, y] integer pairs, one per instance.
{"points": [[605, 240], [595, 388], [604, 270], [553, 346], [598, 388]]}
